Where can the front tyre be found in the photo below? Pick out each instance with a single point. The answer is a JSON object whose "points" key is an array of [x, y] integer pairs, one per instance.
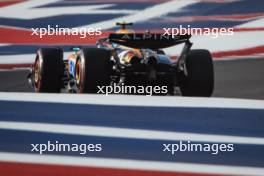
{"points": [[48, 70], [92, 69], [200, 79]]}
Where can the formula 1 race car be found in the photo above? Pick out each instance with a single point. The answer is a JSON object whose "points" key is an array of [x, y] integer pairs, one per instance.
{"points": [[125, 58]]}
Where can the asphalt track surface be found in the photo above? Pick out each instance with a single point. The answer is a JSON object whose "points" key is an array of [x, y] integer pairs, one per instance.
{"points": [[241, 78]]}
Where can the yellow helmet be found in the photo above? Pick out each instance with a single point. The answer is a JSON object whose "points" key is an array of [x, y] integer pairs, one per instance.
{"points": [[125, 31]]}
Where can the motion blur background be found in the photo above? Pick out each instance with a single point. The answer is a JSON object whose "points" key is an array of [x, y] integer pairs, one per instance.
{"points": [[132, 129], [238, 58]]}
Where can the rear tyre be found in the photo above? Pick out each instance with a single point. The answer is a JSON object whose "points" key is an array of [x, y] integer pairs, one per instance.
{"points": [[93, 69], [200, 79], [48, 70]]}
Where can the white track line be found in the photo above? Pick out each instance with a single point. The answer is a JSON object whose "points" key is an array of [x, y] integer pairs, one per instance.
{"points": [[132, 100], [237, 41], [127, 133], [252, 24], [28, 10], [146, 14], [17, 59], [130, 164], [22, 58]]}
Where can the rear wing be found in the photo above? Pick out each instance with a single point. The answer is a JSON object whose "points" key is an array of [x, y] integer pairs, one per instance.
{"points": [[148, 40]]}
